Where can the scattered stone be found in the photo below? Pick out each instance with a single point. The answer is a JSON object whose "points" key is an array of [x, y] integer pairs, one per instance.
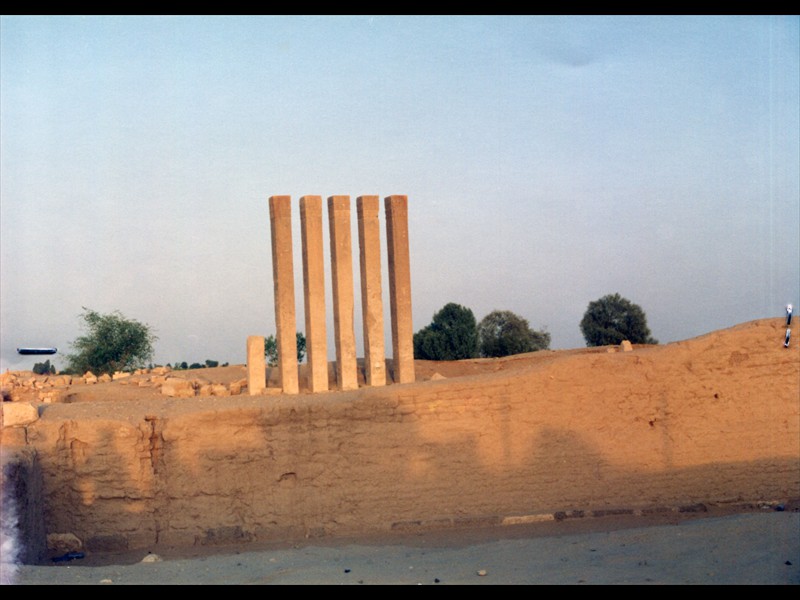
{"points": [[151, 558], [220, 389], [482, 573], [64, 542], [626, 346], [51, 396], [177, 388]]}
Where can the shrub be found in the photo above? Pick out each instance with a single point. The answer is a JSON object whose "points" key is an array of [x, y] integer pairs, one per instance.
{"points": [[113, 343], [452, 335], [612, 319], [271, 349], [503, 333], [44, 368]]}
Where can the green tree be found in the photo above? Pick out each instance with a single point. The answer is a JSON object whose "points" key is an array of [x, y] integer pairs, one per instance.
{"points": [[212, 363], [503, 333], [44, 368], [271, 349], [612, 319], [112, 343], [452, 335]]}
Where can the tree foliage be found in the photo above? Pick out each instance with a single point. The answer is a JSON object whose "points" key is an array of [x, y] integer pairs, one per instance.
{"points": [[452, 335], [112, 343], [503, 333], [613, 319], [271, 349], [44, 368]]}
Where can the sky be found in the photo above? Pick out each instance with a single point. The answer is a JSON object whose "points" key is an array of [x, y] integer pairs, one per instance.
{"points": [[548, 161]]}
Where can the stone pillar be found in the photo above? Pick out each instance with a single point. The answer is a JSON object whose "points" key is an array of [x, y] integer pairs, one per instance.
{"points": [[343, 303], [400, 288], [369, 241], [280, 215], [256, 365], [314, 292]]}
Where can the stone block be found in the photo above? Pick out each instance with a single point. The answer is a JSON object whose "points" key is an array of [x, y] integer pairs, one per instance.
{"points": [[256, 364], [18, 414], [177, 388]]}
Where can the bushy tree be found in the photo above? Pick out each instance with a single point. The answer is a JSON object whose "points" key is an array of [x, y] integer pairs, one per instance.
{"points": [[271, 349], [452, 335], [212, 363], [612, 319], [113, 343], [503, 333], [44, 368]]}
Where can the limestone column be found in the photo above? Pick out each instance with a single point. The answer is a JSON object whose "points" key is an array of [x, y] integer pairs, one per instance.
{"points": [[256, 365], [400, 288], [369, 241], [280, 215], [314, 292], [343, 303]]}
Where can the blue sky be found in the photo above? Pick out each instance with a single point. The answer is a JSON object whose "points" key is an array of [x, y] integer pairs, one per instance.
{"points": [[548, 161]]}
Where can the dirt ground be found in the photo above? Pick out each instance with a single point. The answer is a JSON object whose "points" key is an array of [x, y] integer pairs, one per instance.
{"points": [[760, 545]]}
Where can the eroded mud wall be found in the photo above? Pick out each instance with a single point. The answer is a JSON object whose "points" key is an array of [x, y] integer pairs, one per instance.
{"points": [[654, 428]]}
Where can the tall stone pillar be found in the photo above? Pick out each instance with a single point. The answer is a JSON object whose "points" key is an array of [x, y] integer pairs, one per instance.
{"points": [[369, 240], [400, 288], [343, 303], [256, 365], [280, 215], [314, 293]]}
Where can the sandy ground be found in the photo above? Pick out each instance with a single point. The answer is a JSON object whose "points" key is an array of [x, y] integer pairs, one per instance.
{"points": [[761, 546]]}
